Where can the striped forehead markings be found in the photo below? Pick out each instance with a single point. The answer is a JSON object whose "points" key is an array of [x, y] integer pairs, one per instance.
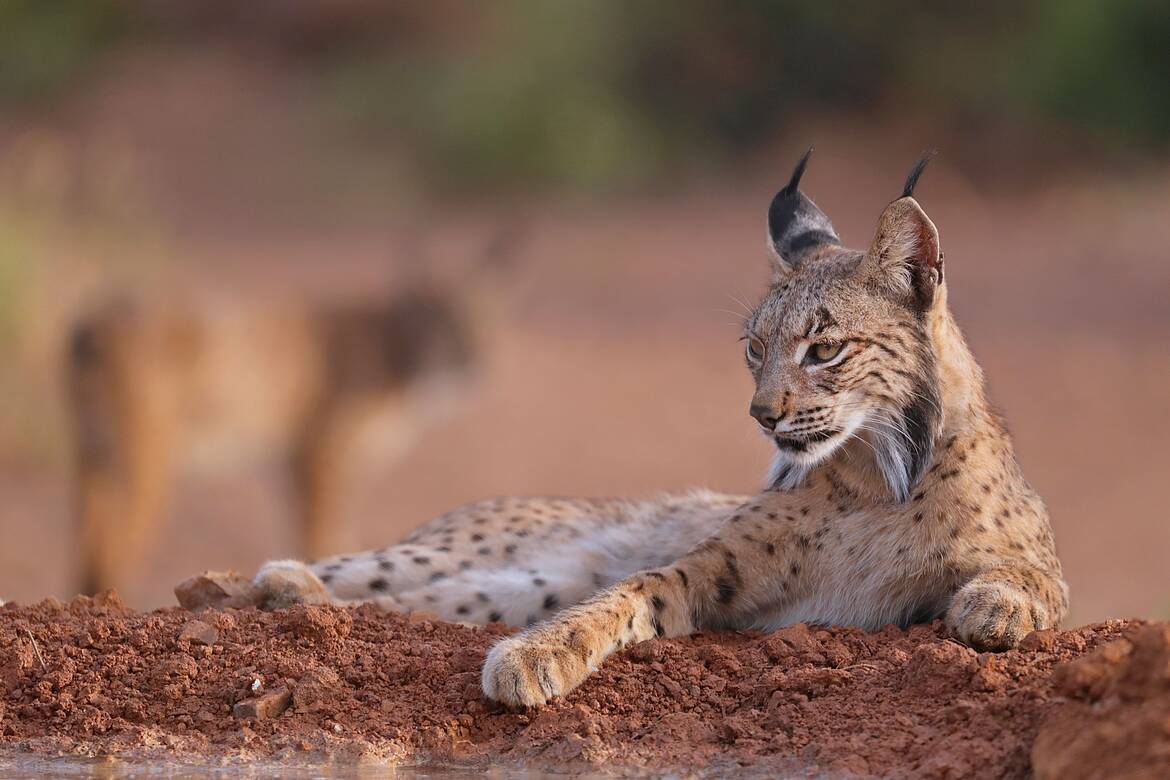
{"points": [[821, 321]]}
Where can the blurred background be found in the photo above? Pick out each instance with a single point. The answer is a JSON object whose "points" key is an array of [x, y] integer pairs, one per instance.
{"points": [[296, 156]]}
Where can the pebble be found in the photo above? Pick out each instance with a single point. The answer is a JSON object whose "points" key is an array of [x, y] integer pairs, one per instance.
{"points": [[265, 706], [199, 633]]}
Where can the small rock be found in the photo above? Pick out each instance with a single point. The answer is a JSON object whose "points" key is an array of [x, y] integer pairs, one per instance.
{"points": [[317, 690], [199, 633], [218, 589], [795, 640], [265, 706], [1040, 641], [935, 668]]}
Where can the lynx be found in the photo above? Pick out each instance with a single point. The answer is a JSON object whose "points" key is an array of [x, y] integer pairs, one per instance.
{"points": [[213, 381], [894, 497]]}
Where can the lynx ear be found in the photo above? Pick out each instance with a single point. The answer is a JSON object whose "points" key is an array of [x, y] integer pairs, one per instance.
{"points": [[905, 251], [796, 226]]}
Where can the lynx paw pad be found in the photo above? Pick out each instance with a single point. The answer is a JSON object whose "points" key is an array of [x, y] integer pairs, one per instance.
{"points": [[527, 672], [992, 616]]}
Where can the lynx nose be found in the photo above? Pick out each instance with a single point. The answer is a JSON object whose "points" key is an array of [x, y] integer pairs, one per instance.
{"points": [[766, 415]]}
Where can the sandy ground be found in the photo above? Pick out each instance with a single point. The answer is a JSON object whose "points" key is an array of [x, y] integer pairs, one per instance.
{"points": [[317, 685], [615, 368]]}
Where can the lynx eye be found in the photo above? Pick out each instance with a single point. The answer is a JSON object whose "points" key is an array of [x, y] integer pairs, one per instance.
{"points": [[823, 352], [755, 348]]}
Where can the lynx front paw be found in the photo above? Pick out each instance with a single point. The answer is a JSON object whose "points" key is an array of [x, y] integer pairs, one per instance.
{"points": [[527, 672], [285, 583], [992, 616]]}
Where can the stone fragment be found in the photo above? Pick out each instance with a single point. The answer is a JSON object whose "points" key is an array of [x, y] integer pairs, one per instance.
{"points": [[199, 633], [265, 706], [218, 590]]}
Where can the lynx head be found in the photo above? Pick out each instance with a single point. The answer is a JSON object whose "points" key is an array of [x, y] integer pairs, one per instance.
{"points": [[840, 346]]}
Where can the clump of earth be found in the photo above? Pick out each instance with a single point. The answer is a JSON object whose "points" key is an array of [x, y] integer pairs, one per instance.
{"points": [[318, 685]]}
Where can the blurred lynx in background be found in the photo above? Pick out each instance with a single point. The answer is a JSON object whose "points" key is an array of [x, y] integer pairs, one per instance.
{"points": [[156, 384]]}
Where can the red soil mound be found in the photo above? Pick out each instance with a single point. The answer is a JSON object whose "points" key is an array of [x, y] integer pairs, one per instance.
{"points": [[315, 684]]}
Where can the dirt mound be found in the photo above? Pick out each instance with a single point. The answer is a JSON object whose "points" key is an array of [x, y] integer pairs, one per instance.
{"points": [[1119, 722], [317, 684]]}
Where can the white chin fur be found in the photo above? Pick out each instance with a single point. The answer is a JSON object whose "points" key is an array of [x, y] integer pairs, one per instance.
{"points": [[789, 469]]}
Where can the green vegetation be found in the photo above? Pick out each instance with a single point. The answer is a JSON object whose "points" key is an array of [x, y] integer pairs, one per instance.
{"points": [[47, 45], [589, 94]]}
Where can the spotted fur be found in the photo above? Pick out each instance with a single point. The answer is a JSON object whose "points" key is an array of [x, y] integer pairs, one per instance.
{"points": [[895, 495]]}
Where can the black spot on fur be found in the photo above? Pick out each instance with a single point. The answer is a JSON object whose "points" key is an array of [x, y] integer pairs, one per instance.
{"points": [[682, 575], [379, 584], [728, 583], [551, 601], [495, 617], [657, 603]]}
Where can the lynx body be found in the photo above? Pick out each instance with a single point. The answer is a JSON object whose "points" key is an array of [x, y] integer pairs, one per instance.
{"points": [[895, 495]]}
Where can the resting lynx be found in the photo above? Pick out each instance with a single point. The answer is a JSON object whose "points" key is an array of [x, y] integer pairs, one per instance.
{"points": [[895, 496]]}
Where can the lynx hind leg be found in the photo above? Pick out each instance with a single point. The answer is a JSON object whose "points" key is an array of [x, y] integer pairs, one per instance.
{"points": [[518, 597], [288, 582], [458, 588]]}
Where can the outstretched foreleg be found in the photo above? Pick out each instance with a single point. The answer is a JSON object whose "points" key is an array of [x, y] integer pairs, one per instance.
{"points": [[719, 584]]}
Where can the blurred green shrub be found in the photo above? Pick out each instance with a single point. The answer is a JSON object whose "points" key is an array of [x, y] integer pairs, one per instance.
{"points": [[1099, 62], [46, 45], [600, 93], [591, 93]]}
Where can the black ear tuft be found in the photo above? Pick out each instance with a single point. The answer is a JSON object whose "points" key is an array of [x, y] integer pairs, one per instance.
{"points": [[916, 172], [795, 225], [797, 174]]}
